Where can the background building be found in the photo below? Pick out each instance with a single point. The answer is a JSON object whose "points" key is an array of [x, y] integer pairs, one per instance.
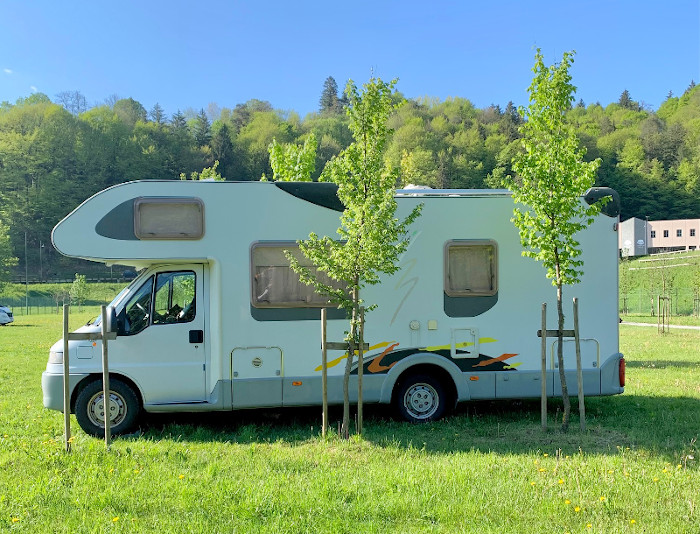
{"points": [[637, 237]]}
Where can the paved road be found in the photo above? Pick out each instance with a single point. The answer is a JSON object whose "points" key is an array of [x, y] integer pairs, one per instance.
{"points": [[670, 326]]}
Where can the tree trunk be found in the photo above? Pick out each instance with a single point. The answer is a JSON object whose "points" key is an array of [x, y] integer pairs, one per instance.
{"points": [[560, 359], [352, 345]]}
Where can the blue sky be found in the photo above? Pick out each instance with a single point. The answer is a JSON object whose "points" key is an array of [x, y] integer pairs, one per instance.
{"points": [[189, 54]]}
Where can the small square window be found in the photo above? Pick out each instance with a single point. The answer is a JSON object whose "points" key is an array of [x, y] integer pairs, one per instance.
{"points": [[692, 232], [665, 233], [471, 268], [679, 233], [653, 233]]}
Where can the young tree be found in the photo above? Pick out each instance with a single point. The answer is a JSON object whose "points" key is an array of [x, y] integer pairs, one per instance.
{"points": [[371, 238], [550, 177], [208, 173], [293, 163], [78, 290]]}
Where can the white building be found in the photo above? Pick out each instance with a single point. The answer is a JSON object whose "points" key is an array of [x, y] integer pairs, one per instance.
{"points": [[637, 237]]}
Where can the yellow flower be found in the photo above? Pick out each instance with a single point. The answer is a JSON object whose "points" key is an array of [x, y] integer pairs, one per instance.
{"points": [[602, 499], [542, 470], [545, 455], [577, 509], [115, 519], [632, 521], [656, 479], [15, 519], [532, 483], [588, 525], [567, 501], [181, 477], [561, 481]]}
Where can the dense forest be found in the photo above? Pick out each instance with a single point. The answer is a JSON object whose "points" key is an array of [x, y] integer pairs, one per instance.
{"points": [[56, 153]]}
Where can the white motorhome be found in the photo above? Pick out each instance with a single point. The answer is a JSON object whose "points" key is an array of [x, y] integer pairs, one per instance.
{"points": [[216, 320]]}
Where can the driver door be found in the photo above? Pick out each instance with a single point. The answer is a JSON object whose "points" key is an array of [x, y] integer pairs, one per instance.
{"points": [[163, 344]]}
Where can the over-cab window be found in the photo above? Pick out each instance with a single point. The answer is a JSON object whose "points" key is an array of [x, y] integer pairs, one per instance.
{"points": [[471, 268], [275, 285], [168, 218]]}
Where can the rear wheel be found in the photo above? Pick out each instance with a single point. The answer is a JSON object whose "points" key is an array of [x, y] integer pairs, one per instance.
{"points": [[421, 398], [123, 409]]}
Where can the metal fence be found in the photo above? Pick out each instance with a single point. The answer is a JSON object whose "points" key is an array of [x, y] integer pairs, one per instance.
{"points": [[21, 306], [683, 301]]}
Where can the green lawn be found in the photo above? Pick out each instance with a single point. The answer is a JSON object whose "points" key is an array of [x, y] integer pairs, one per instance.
{"points": [[487, 468]]}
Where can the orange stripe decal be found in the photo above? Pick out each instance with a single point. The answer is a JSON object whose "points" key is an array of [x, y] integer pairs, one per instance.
{"points": [[497, 359], [375, 365]]}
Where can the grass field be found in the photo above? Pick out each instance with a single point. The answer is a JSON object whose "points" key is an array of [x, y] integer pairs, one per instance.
{"points": [[487, 468]]}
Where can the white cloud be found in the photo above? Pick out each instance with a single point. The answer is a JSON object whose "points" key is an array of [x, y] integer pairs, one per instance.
{"points": [[7, 71], [33, 88]]}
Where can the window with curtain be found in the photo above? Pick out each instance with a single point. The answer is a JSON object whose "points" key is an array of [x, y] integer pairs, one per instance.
{"points": [[275, 285]]}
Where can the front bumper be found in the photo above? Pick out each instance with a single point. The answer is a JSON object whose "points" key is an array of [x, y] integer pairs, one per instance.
{"points": [[52, 386]]}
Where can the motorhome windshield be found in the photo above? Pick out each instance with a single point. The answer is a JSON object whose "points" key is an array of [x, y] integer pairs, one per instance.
{"points": [[116, 301]]}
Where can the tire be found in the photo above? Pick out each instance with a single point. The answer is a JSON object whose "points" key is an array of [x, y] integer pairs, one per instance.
{"points": [[125, 408], [421, 398]]}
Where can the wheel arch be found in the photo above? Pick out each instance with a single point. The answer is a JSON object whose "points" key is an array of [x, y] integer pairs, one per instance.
{"points": [[429, 364], [98, 377]]}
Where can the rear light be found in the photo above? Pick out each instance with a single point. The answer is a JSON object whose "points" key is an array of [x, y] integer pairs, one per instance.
{"points": [[622, 372]]}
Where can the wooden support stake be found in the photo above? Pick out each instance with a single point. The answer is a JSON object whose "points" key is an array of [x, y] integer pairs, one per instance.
{"points": [[324, 372], [66, 379], [360, 370], [544, 368], [105, 380], [579, 371]]}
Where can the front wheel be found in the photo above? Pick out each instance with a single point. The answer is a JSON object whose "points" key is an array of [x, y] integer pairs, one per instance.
{"points": [[421, 398], [124, 408]]}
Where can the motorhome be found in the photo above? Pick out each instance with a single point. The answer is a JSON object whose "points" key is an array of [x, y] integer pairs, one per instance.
{"points": [[217, 321]]}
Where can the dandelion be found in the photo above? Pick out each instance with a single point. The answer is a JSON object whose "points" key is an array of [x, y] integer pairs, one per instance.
{"points": [[115, 519], [136, 471], [679, 466], [577, 509], [542, 470], [15, 519], [602, 498], [610, 471], [532, 483], [181, 477], [656, 479], [588, 525], [567, 501], [632, 521], [545, 455], [561, 481]]}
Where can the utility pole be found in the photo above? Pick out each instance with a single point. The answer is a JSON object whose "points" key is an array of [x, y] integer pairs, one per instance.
{"points": [[26, 277], [41, 263]]}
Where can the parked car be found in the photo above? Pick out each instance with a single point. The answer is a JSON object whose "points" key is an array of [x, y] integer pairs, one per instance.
{"points": [[5, 315]]}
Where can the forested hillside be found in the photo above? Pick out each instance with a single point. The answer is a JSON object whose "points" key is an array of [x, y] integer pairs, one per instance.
{"points": [[55, 154]]}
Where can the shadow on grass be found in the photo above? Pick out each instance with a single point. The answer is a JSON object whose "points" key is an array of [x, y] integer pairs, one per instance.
{"points": [[665, 425]]}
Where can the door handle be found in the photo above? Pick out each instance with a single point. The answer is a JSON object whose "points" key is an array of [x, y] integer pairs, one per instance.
{"points": [[196, 336]]}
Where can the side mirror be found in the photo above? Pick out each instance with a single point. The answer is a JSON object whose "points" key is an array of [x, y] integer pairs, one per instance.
{"points": [[111, 322]]}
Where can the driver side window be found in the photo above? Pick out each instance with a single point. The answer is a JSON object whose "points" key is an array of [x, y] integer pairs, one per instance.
{"points": [[174, 298]]}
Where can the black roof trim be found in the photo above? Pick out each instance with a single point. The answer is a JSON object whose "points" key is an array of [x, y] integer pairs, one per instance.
{"points": [[320, 193], [612, 207]]}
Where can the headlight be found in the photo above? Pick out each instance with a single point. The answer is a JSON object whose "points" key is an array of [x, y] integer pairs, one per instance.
{"points": [[55, 357]]}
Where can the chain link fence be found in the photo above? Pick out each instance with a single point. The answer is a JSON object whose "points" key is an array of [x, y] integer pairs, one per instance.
{"points": [[640, 301]]}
